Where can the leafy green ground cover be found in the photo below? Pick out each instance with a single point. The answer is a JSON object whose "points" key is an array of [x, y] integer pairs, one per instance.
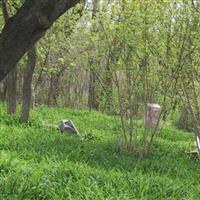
{"points": [[37, 162]]}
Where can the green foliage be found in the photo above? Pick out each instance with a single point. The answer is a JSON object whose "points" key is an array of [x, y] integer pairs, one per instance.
{"points": [[37, 162], [140, 51]]}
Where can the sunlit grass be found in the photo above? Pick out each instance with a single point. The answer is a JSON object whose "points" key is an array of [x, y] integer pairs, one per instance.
{"points": [[37, 162]]}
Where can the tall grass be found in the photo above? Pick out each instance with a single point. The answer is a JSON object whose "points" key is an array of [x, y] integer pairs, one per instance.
{"points": [[37, 162]]}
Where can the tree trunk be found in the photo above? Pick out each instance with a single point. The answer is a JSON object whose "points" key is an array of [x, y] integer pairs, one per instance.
{"points": [[182, 119], [11, 80], [108, 81], [185, 122], [92, 97], [109, 86], [3, 90], [27, 85], [12, 92], [53, 92], [32, 97], [26, 27]]}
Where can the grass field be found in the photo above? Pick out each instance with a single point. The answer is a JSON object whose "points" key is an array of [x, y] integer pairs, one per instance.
{"points": [[37, 162]]}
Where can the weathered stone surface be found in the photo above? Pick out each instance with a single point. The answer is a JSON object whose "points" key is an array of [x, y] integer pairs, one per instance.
{"points": [[194, 152], [152, 115], [68, 127]]}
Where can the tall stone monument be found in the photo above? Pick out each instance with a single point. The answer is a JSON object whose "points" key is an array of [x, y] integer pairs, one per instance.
{"points": [[152, 115]]}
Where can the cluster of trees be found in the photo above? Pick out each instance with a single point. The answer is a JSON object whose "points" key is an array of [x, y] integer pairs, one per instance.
{"points": [[111, 56]]}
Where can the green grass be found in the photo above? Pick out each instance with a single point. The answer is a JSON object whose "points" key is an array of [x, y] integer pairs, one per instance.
{"points": [[41, 163]]}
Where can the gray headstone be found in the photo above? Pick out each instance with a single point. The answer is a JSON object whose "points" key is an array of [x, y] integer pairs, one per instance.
{"points": [[68, 127], [152, 115]]}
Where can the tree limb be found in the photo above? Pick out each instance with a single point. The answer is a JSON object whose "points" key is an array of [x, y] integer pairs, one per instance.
{"points": [[25, 28]]}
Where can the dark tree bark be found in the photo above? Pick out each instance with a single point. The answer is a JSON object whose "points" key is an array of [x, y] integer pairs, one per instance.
{"points": [[54, 88], [185, 122], [27, 85], [93, 96], [3, 91], [108, 81], [25, 28], [182, 123], [5, 10], [11, 80]]}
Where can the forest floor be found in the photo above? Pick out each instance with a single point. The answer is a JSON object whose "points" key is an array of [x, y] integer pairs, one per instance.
{"points": [[37, 162]]}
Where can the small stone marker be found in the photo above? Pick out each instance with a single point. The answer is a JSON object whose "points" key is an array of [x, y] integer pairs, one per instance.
{"points": [[195, 152], [198, 144], [152, 115], [68, 127]]}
